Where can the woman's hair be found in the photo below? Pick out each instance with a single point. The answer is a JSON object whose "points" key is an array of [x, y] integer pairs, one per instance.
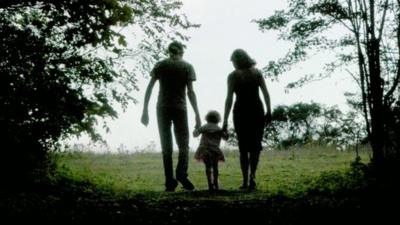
{"points": [[175, 48], [242, 59], [213, 117]]}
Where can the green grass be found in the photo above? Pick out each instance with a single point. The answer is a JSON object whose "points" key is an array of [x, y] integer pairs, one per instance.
{"points": [[312, 185], [286, 172]]}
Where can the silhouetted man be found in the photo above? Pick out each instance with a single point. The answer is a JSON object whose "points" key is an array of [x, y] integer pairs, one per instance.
{"points": [[175, 77]]}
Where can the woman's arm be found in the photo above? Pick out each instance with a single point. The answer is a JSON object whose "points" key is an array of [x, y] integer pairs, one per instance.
{"points": [[267, 99], [228, 102], [225, 135]]}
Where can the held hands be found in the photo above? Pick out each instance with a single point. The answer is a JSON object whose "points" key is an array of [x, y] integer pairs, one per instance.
{"points": [[145, 118], [225, 127], [198, 122], [196, 131], [225, 134]]}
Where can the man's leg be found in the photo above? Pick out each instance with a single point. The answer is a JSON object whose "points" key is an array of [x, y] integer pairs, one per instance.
{"points": [[182, 139], [164, 128]]}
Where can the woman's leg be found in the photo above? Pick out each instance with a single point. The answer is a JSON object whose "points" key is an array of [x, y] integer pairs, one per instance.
{"points": [[215, 174], [254, 158], [208, 165], [244, 165]]}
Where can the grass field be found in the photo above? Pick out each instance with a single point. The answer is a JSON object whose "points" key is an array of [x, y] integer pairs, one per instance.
{"points": [[312, 185], [280, 172]]}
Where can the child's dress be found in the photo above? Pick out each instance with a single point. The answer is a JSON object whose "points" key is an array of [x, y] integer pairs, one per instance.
{"points": [[211, 135]]}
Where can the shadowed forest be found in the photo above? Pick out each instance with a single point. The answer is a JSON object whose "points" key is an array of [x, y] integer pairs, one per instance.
{"points": [[62, 72]]}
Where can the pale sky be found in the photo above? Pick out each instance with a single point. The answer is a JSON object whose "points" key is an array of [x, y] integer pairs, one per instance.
{"points": [[225, 26]]}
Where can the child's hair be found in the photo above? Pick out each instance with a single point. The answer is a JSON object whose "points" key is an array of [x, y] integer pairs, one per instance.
{"points": [[213, 117]]}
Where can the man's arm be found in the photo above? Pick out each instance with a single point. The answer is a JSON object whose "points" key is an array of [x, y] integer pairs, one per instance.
{"points": [[145, 114], [197, 132], [193, 101]]}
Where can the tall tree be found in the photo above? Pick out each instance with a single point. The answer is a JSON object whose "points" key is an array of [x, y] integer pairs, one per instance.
{"points": [[61, 68], [367, 37]]}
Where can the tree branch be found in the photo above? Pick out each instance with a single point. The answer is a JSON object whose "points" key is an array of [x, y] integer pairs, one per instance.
{"points": [[383, 20], [372, 18], [397, 78], [354, 77], [395, 84], [364, 15], [364, 88]]}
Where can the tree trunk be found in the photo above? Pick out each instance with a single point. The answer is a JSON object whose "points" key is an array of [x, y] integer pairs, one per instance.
{"points": [[376, 95]]}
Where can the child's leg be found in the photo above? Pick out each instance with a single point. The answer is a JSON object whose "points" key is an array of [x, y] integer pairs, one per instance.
{"points": [[215, 174], [208, 165]]}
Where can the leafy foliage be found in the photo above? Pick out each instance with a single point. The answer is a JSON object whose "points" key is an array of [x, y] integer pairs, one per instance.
{"points": [[312, 123], [61, 66], [334, 182], [364, 38]]}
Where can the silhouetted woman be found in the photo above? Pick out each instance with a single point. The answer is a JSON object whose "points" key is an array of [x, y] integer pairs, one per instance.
{"points": [[248, 113]]}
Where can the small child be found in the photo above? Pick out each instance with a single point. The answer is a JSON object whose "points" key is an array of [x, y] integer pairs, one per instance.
{"points": [[208, 150]]}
